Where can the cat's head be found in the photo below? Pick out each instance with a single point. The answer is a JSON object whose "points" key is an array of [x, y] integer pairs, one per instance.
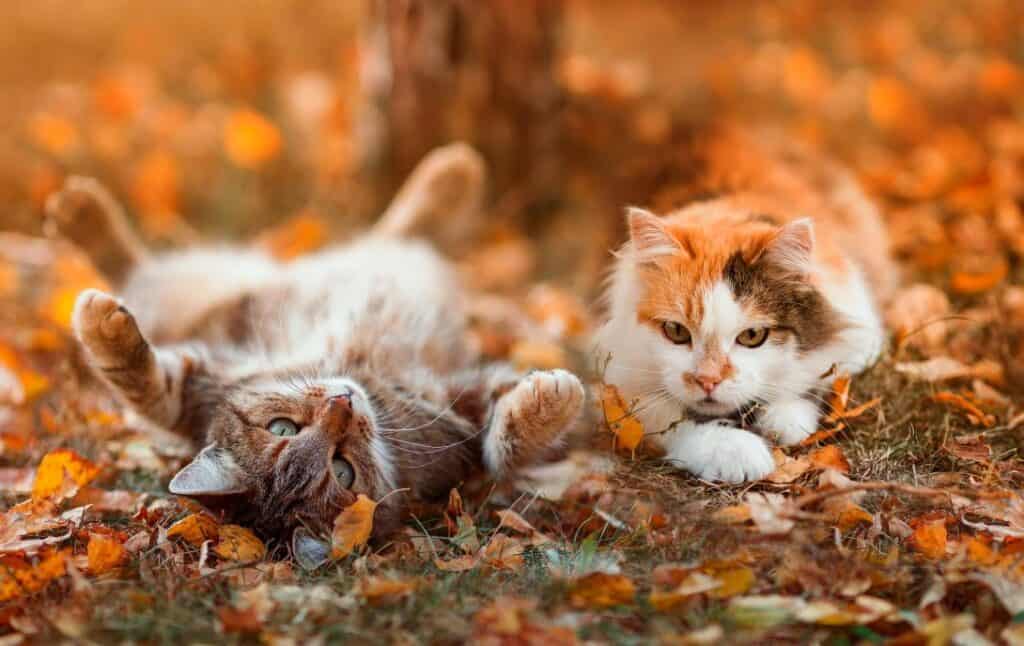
{"points": [[289, 452], [726, 306]]}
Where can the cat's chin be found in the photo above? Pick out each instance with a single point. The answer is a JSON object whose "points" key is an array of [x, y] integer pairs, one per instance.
{"points": [[711, 408]]}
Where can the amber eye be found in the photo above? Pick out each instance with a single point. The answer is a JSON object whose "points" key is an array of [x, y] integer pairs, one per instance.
{"points": [[343, 471], [283, 427], [753, 337], [675, 332]]}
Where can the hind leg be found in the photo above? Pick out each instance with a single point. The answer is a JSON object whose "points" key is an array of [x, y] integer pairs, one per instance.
{"points": [[148, 380], [85, 213], [530, 418]]}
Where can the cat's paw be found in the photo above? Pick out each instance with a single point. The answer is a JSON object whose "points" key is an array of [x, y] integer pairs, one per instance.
{"points": [[720, 453], [790, 421], [106, 328], [531, 417]]}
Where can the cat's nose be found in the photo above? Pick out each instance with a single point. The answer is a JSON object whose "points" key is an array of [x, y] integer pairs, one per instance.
{"points": [[336, 413], [707, 382]]}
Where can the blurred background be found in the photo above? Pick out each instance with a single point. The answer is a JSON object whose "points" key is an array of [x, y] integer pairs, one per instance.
{"points": [[296, 121]]}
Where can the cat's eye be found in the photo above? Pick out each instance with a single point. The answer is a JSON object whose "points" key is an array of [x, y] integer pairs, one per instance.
{"points": [[283, 427], [753, 337], [675, 332], [343, 471]]}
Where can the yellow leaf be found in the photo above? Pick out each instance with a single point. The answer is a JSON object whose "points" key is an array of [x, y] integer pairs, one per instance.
{"points": [[195, 529], [19, 577], [599, 590], [930, 539], [104, 553], [239, 544], [628, 430], [305, 232], [250, 139], [733, 581], [55, 467], [352, 527]]}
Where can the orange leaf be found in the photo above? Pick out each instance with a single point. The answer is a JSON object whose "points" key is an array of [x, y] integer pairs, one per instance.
{"points": [[840, 395], [195, 529], [964, 282], [628, 430], [599, 590], [974, 414], [303, 233], [19, 577], [239, 544], [104, 553], [378, 590], [930, 539], [250, 139], [54, 134], [56, 467], [829, 457], [352, 527]]}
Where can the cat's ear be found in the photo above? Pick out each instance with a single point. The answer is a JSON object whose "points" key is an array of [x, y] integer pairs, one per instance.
{"points": [[212, 473], [792, 246], [649, 235]]}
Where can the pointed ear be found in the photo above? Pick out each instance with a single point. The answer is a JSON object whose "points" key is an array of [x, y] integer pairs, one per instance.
{"points": [[792, 246], [649, 236], [213, 472]]}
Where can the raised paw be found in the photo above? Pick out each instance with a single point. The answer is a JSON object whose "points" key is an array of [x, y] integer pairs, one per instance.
{"points": [[790, 421], [107, 330], [532, 417]]}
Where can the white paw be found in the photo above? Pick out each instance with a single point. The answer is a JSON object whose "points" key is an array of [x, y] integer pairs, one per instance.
{"points": [[790, 421], [721, 453]]}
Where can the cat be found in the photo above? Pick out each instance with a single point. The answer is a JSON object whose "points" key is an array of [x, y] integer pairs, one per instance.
{"points": [[733, 313], [345, 372]]}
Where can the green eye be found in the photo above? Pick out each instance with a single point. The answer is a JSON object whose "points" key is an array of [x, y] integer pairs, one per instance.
{"points": [[753, 337], [343, 471], [283, 427], [675, 332]]}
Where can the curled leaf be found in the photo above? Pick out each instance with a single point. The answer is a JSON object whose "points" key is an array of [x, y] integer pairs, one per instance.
{"points": [[352, 527]]}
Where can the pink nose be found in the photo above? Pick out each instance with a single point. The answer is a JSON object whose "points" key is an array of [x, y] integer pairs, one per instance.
{"points": [[707, 382]]}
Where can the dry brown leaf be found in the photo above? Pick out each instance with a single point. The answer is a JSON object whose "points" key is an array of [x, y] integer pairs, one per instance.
{"points": [[457, 564], [599, 590], [352, 527], [945, 368], [503, 552], [237, 543], [974, 414]]}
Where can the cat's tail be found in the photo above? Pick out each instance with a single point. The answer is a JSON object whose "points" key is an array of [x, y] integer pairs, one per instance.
{"points": [[84, 212], [442, 195]]}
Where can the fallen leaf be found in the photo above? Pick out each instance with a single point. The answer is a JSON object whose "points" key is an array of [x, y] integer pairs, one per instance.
{"points": [[512, 520], [930, 539], [379, 590], [457, 564], [503, 552], [56, 469], [628, 430], [600, 590], [974, 414], [250, 139], [20, 577], [305, 232], [239, 620], [829, 457], [352, 527], [692, 584], [194, 529], [237, 543], [104, 553], [964, 282]]}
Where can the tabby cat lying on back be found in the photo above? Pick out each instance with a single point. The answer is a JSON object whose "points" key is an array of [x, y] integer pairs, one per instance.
{"points": [[308, 383], [733, 313]]}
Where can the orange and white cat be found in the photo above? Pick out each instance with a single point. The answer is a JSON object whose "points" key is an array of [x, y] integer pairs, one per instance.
{"points": [[728, 318]]}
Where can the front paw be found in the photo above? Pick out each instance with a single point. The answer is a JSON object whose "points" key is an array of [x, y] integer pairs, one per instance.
{"points": [[790, 421], [721, 453]]}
